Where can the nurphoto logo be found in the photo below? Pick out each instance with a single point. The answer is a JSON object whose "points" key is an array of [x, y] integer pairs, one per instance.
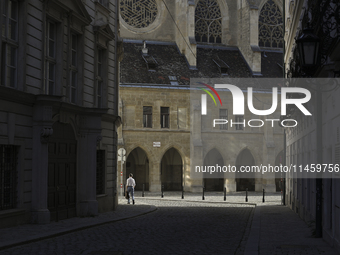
{"points": [[239, 102]]}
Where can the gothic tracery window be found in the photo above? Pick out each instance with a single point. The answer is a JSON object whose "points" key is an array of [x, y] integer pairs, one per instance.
{"points": [[138, 13], [270, 26], [208, 22]]}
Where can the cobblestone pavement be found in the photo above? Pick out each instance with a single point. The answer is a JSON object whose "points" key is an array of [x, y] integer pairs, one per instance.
{"points": [[172, 225], [177, 227]]}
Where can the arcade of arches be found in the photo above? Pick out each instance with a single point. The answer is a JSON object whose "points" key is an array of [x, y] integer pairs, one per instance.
{"points": [[171, 174]]}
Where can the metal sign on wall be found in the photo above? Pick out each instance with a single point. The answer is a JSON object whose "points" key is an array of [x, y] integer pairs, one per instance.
{"points": [[156, 144]]}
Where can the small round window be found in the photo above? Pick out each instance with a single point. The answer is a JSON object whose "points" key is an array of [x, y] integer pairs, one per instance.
{"points": [[138, 13]]}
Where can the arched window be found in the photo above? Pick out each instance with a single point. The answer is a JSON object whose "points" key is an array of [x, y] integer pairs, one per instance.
{"points": [[270, 26], [208, 22], [138, 13]]}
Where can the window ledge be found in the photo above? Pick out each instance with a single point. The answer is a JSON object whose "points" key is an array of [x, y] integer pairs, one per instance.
{"points": [[101, 195]]}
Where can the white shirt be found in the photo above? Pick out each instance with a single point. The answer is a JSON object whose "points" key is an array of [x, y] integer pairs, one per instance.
{"points": [[130, 182]]}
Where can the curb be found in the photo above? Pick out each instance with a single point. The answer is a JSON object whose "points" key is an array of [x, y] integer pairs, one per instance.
{"points": [[199, 201]]}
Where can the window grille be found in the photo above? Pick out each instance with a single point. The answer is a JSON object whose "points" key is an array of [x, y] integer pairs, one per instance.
{"points": [[208, 22], [238, 119], [147, 116], [138, 14], [165, 117], [100, 78], [270, 26], [8, 176], [74, 68], [51, 62], [224, 116], [9, 46], [100, 173]]}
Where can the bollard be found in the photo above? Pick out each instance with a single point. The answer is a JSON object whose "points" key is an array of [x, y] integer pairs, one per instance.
{"points": [[263, 197], [203, 194], [225, 194], [143, 190], [162, 191], [182, 192], [246, 194]]}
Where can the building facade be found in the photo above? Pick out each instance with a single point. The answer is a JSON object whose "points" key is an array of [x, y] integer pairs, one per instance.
{"points": [[167, 43], [308, 143], [58, 113]]}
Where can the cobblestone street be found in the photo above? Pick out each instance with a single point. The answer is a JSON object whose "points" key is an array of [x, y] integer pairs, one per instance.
{"points": [[177, 227], [172, 225]]}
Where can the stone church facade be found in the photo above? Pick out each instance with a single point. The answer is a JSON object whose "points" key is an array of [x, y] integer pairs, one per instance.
{"points": [[167, 43], [58, 114]]}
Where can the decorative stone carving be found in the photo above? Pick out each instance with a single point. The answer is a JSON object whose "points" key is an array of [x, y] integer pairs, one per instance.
{"points": [[138, 13], [270, 26], [46, 132], [208, 22]]}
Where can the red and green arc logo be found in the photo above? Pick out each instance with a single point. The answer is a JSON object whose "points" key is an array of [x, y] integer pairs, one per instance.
{"points": [[209, 93]]}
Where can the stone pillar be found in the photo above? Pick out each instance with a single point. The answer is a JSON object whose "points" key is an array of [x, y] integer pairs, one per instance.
{"points": [[196, 147], [230, 182], [90, 132], [268, 158], [185, 20], [154, 176], [42, 129]]}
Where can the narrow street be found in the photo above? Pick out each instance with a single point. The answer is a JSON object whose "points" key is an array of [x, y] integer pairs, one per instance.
{"points": [[185, 226]]}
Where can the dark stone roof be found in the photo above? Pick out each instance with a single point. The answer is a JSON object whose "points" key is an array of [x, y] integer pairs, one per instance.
{"points": [[271, 64], [171, 63]]}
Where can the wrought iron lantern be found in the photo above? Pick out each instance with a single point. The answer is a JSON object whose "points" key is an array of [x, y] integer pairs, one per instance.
{"points": [[309, 51]]}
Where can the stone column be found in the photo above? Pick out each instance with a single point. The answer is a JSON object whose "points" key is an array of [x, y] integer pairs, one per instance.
{"points": [[196, 147], [154, 176], [42, 129], [230, 182], [90, 132]]}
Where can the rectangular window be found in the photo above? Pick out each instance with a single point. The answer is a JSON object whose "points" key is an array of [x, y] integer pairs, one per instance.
{"points": [[164, 117], [100, 78], [239, 119], [51, 62], [147, 116], [74, 68], [224, 116], [9, 46], [100, 173], [8, 176]]}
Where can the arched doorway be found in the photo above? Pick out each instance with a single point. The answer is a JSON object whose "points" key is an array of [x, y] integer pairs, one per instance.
{"points": [[172, 170], [138, 164], [62, 169], [244, 181], [278, 162], [212, 158]]}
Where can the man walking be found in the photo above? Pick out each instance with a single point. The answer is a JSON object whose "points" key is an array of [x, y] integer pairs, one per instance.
{"points": [[130, 186]]}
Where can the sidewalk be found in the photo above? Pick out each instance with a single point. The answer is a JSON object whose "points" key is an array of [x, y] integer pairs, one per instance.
{"points": [[10, 237], [27, 233]]}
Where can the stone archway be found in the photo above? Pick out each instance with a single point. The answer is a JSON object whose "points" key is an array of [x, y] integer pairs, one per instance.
{"points": [[137, 163], [172, 170], [212, 158], [62, 169], [244, 181]]}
